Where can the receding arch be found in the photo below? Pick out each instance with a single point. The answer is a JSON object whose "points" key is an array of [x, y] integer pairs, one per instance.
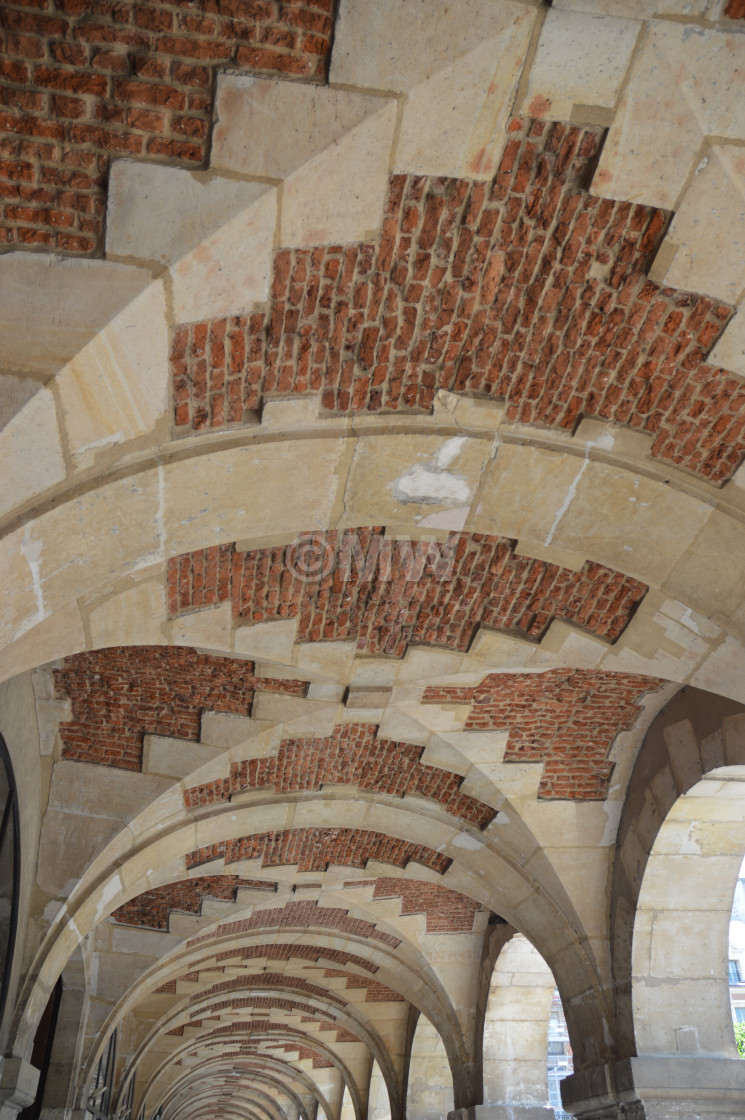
{"points": [[430, 1089]]}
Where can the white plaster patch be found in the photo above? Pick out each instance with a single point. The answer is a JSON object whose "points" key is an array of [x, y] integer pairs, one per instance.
{"points": [[429, 486], [467, 841]]}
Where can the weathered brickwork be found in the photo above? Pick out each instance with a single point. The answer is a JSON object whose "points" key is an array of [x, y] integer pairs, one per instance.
{"points": [[84, 81], [566, 718], [152, 909], [363, 586], [267, 1003], [302, 915], [352, 755], [121, 694], [266, 1026], [271, 980], [446, 911], [315, 849], [527, 289]]}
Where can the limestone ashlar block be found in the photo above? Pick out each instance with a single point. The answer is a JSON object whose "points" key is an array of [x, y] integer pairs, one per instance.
{"points": [[708, 231], [50, 307], [729, 351], [142, 220], [581, 59], [643, 9], [671, 103], [397, 44], [338, 195], [116, 387], [228, 273], [454, 122], [270, 128], [30, 465]]}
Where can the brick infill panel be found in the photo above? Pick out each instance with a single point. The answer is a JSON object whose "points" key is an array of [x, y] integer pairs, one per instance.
{"points": [[266, 1026], [272, 980], [316, 849], [351, 755], [301, 915], [527, 290], [89, 81], [446, 911], [121, 694], [152, 909], [484, 584], [567, 719]]}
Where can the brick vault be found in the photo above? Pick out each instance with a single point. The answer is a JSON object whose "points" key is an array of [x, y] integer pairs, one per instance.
{"points": [[372, 531]]}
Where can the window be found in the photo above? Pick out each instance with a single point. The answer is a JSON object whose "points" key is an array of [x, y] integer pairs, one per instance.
{"points": [[735, 976], [738, 1014], [10, 858]]}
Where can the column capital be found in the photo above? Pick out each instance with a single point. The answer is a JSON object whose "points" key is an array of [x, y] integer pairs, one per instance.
{"points": [[18, 1081]]}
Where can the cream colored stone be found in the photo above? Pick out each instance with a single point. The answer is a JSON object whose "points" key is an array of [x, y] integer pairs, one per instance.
{"points": [[407, 41], [60, 634], [581, 59], [647, 157], [229, 272], [116, 387], [248, 491], [705, 577], [338, 195], [270, 128], [270, 641], [100, 536], [642, 9], [709, 228], [135, 616], [176, 758], [141, 220], [51, 306], [729, 351], [31, 452], [723, 671], [454, 123], [208, 629], [15, 392]]}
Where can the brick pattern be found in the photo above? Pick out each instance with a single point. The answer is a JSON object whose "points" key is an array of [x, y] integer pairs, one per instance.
{"points": [[121, 694], [266, 1026], [85, 81], [567, 719], [352, 755], [267, 1003], [302, 915], [152, 909], [375, 992], [527, 289], [446, 911], [478, 580], [272, 980], [316, 849], [283, 952]]}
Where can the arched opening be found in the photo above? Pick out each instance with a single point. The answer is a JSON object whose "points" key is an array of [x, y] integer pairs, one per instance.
{"points": [[430, 1090]]}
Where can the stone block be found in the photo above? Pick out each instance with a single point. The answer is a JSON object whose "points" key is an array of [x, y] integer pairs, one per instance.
{"points": [[581, 59], [338, 195], [31, 452]]}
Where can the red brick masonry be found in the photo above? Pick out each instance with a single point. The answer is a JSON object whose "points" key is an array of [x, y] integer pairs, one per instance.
{"points": [[567, 719], [528, 289], [420, 602], [83, 81]]}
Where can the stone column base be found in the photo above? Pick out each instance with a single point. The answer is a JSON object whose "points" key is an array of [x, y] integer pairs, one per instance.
{"points": [[658, 1088], [18, 1081], [504, 1112]]}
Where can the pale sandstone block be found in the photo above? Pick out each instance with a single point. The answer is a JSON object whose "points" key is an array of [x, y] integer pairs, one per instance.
{"points": [[133, 617], [454, 123], [270, 128], [229, 272], [142, 220], [116, 387], [723, 671], [15, 392], [58, 635], [407, 41], [642, 9], [729, 352], [338, 195], [581, 59], [708, 230], [648, 155], [51, 306], [206, 629], [270, 641], [175, 758], [31, 452], [709, 574]]}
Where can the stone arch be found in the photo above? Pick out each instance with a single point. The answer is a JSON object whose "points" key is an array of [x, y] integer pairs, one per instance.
{"points": [[379, 1103]]}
